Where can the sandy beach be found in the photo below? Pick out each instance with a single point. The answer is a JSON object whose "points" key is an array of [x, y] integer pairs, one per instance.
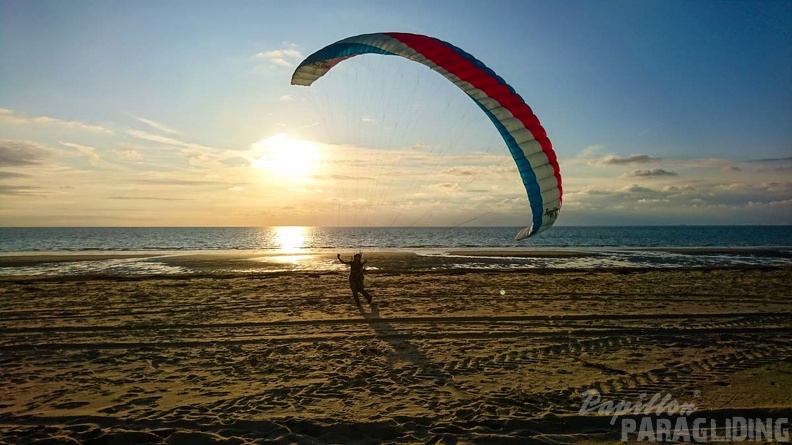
{"points": [[453, 356]]}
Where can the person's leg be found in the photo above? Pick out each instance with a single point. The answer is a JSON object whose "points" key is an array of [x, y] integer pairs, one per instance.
{"points": [[357, 287], [353, 285], [363, 290], [366, 294]]}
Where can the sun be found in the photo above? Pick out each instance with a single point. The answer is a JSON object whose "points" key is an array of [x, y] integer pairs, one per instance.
{"points": [[286, 157]]}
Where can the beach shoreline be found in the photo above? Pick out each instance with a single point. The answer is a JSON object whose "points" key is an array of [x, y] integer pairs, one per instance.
{"points": [[58, 263], [441, 356]]}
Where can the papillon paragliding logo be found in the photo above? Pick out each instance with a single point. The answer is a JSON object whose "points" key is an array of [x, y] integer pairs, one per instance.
{"points": [[525, 137]]}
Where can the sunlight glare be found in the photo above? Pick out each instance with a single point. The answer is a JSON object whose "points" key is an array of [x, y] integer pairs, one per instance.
{"points": [[290, 158], [290, 239]]}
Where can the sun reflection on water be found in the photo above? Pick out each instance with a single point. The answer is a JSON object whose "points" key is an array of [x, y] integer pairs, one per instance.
{"points": [[291, 240]]}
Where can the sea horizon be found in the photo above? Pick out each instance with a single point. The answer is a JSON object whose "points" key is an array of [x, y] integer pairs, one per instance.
{"points": [[114, 238]]}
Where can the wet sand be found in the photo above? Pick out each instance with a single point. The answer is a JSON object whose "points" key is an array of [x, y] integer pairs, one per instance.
{"points": [[439, 357], [39, 258], [395, 260], [219, 261]]}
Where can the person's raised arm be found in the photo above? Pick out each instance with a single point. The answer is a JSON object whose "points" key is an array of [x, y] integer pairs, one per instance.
{"points": [[339, 259]]}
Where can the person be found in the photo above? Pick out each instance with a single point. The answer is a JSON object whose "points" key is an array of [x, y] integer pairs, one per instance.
{"points": [[356, 276]]}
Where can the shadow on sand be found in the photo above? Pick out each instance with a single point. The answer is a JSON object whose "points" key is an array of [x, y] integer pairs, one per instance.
{"points": [[405, 350]]}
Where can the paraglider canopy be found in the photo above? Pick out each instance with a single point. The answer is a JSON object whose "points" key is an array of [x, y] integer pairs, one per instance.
{"points": [[525, 137]]}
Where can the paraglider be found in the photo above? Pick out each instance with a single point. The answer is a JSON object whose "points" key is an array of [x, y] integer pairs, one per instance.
{"points": [[525, 137]]}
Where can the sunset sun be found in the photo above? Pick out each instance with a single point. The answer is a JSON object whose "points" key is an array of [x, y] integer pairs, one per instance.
{"points": [[286, 157]]}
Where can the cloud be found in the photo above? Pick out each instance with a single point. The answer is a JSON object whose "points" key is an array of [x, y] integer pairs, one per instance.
{"points": [[638, 189], [779, 169], [780, 165], [87, 151], [337, 177], [16, 190], [197, 155], [787, 159], [706, 201], [235, 161], [156, 125], [165, 140], [782, 203], [286, 58], [287, 98], [762, 188], [177, 181], [486, 169], [591, 151], [460, 171], [145, 198], [444, 187], [17, 118], [651, 172], [131, 155], [620, 160], [14, 153], [4, 174]]}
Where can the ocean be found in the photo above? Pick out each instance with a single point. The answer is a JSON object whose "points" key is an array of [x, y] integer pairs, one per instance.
{"points": [[657, 246]]}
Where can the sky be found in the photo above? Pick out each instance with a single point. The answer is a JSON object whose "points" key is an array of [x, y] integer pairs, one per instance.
{"points": [[181, 113]]}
